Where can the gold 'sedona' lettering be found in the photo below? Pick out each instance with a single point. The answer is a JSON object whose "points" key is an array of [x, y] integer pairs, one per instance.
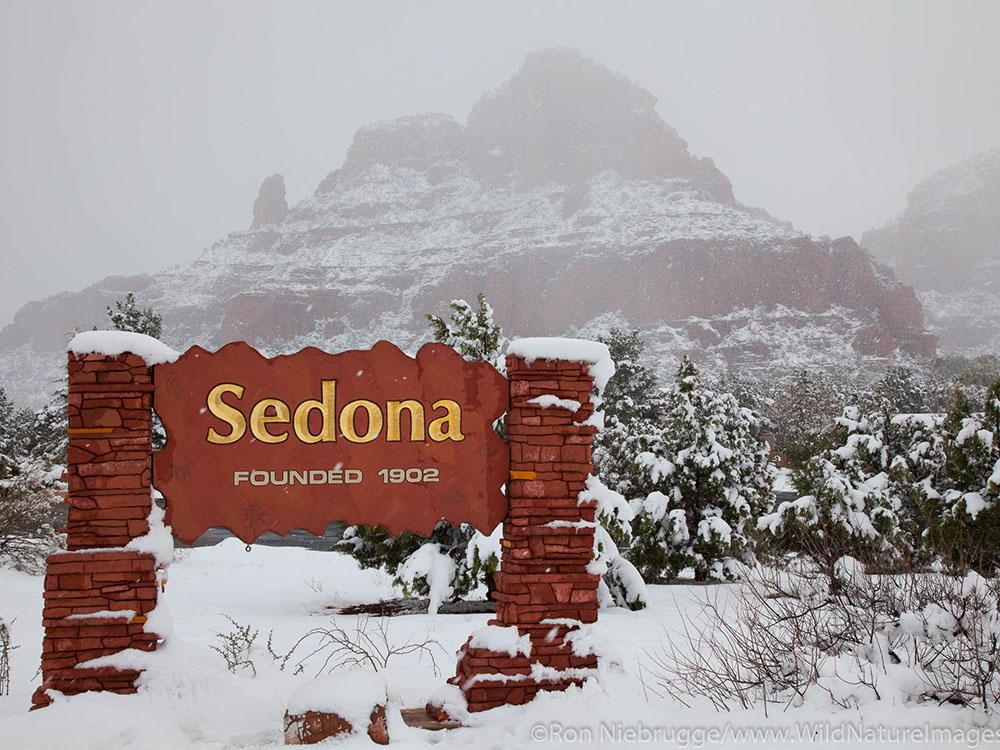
{"points": [[231, 416], [347, 427], [328, 433], [452, 418], [273, 411], [260, 419], [394, 410]]}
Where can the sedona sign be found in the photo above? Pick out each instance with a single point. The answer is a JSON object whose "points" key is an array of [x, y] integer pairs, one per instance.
{"points": [[259, 444]]}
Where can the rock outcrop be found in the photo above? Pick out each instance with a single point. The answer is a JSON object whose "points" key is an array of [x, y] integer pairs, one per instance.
{"points": [[270, 206], [565, 198], [947, 244]]}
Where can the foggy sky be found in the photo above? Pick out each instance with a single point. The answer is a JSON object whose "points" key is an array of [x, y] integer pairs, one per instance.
{"points": [[134, 134]]}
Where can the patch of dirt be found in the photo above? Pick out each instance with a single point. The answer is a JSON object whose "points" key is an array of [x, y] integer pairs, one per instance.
{"points": [[394, 607]]}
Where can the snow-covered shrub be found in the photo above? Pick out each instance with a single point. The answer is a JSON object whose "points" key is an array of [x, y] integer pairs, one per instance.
{"points": [[856, 496], [30, 504], [30, 509], [799, 635], [6, 647], [973, 377], [621, 584], [454, 562], [429, 571], [482, 560], [711, 478], [961, 489]]}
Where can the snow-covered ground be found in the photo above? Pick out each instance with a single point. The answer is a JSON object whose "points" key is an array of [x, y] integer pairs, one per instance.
{"points": [[189, 699]]}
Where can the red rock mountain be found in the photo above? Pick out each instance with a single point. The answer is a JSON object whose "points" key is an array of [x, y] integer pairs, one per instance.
{"points": [[947, 244], [565, 197]]}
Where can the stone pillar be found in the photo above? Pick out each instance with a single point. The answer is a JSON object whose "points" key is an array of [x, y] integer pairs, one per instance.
{"points": [[544, 588], [98, 593]]}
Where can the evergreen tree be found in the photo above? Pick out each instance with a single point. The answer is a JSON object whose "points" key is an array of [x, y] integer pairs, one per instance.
{"points": [[712, 478], [750, 392], [903, 386], [856, 496], [47, 438], [29, 486], [128, 316], [801, 407], [633, 405], [964, 496], [9, 437], [471, 330]]}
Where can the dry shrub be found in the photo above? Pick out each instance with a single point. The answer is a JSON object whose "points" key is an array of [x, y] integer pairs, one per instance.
{"points": [[784, 634]]}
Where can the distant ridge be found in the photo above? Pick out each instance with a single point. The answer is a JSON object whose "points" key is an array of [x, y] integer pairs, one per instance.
{"points": [[565, 197]]}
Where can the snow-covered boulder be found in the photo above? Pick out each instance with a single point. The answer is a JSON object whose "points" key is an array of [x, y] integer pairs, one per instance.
{"points": [[341, 703]]}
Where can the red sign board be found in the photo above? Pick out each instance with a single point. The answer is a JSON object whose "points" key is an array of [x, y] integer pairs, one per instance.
{"points": [[297, 441]]}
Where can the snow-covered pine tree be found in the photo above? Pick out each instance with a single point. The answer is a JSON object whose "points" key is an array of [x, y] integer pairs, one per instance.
{"points": [[470, 330], [905, 388], [750, 391], [47, 439], [621, 584], [455, 560], [128, 316], [800, 408], [965, 494], [633, 406], [711, 478], [9, 436], [855, 497]]}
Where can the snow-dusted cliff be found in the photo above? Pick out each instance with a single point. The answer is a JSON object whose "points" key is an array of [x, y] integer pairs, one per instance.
{"points": [[947, 244], [565, 198]]}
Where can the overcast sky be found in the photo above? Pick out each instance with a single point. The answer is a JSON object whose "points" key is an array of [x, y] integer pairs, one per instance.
{"points": [[134, 134]]}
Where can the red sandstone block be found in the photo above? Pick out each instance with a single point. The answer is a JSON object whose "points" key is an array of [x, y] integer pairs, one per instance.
{"points": [[76, 644], [114, 482], [100, 417], [103, 365], [542, 439], [575, 454], [127, 500], [112, 468], [116, 642], [50, 663], [64, 631], [115, 589], [549, 454]]}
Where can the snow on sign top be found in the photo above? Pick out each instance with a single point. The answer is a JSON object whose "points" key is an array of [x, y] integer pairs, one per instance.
{"points": [[593, 353], [113, 343]]}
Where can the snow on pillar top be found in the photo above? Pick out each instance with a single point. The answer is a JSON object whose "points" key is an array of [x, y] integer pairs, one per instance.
{"points": [[113, 343], [593, 353]]}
